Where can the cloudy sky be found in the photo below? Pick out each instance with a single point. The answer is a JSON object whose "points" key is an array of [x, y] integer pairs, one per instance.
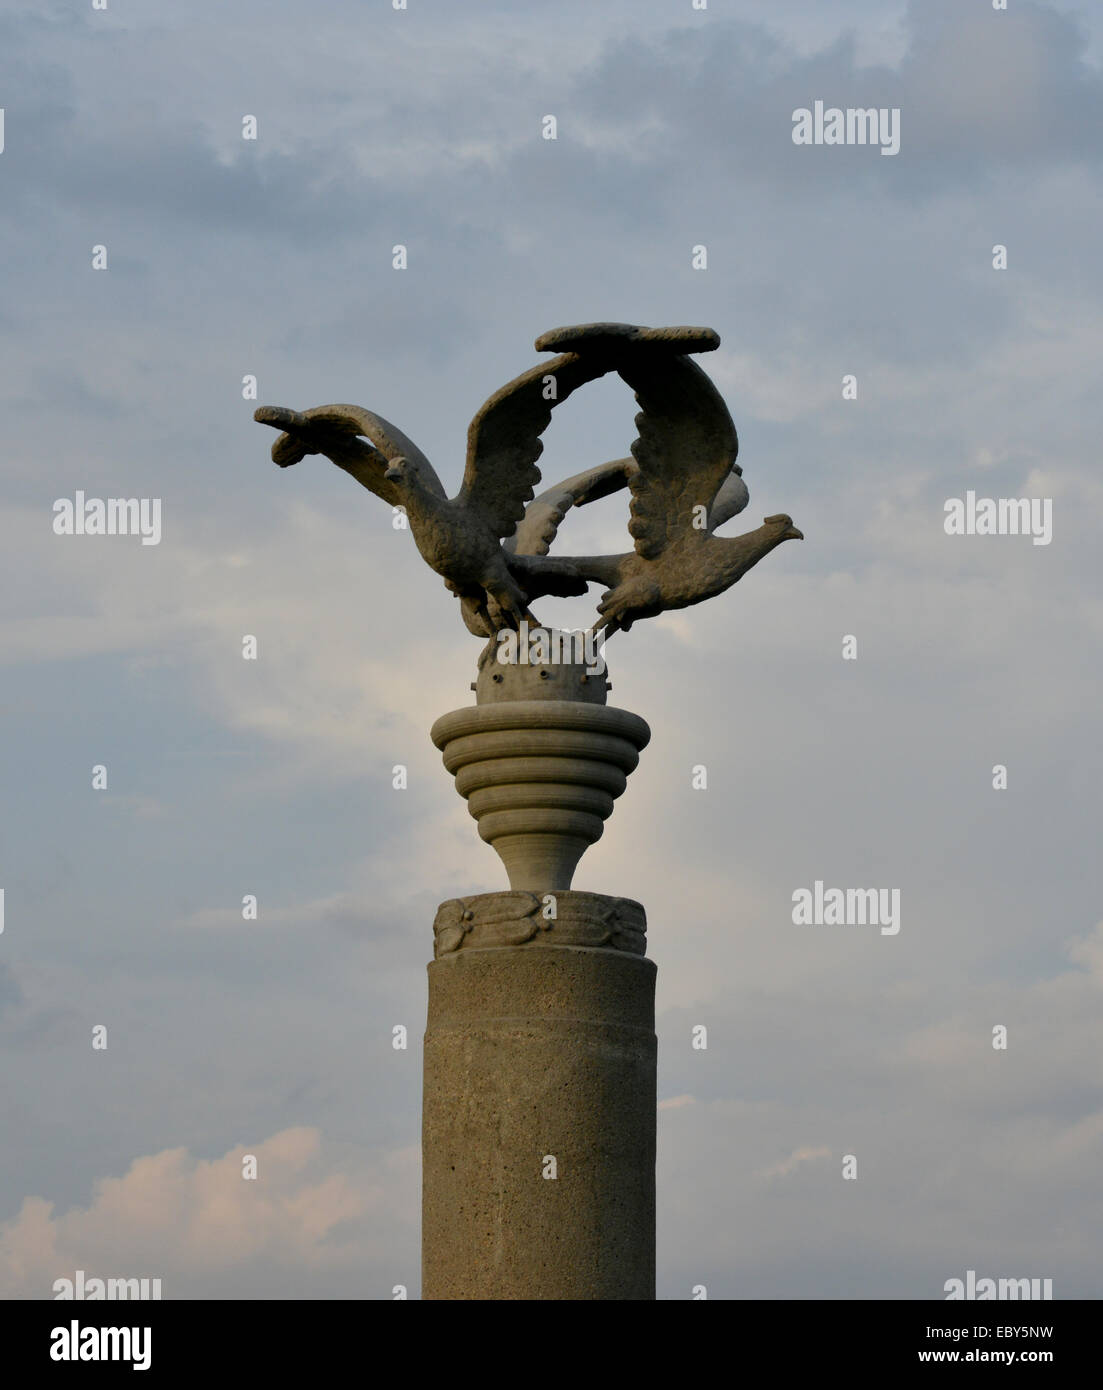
{"points": [[273, 258]]}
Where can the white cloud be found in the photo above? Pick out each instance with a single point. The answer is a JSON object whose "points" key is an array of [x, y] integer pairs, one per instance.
{"points": [[310, 1220], [783, 1167]]}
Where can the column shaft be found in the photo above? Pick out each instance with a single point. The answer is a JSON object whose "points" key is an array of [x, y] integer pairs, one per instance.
{"points": [[539, 1059]]}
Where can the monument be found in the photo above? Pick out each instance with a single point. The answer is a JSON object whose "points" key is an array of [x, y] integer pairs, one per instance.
{"points": [[538, 1130]]}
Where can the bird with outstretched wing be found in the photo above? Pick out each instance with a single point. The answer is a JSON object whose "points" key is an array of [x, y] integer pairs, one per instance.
{"points": [[539, 527], [490, 542], [684, 484], [459, 537]]}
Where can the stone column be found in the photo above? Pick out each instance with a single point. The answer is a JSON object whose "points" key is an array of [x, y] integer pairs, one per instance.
{"points": [[538, 1134]]}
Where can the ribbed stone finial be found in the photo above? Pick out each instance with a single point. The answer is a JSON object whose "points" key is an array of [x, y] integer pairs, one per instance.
{"points": [[541, 770]]}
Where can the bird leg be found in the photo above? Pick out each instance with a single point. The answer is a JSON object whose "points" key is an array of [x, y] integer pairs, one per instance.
{"points": [[542, 574], [506, 604], [635, 598], [608, 625]]}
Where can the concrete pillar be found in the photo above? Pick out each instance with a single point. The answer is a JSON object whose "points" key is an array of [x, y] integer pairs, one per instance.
{"points": [[538, 1139], [538, 1132]]}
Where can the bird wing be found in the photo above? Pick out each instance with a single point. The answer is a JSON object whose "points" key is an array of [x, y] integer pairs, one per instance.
{"points": [[335, 430], [540, 523], [503, 442], [730, 500], [589, 337], [685, 450]]}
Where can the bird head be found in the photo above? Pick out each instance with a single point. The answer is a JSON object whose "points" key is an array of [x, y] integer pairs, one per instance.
{"points": [[398, 470], [294, 445], [784, 525]]}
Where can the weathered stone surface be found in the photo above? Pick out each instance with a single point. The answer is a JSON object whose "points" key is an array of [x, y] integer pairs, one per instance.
{"points": [[501, 683], [565, 918], [540, 777], [531, 1055], [588, 337]]}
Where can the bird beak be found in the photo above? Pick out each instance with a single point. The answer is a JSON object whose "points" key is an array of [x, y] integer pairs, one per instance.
{"points": [[790, 533]]}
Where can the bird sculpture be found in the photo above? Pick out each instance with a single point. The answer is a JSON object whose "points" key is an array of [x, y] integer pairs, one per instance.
{"points": [[458, 537], [490, 542], [539, 527], [684, 483]]}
